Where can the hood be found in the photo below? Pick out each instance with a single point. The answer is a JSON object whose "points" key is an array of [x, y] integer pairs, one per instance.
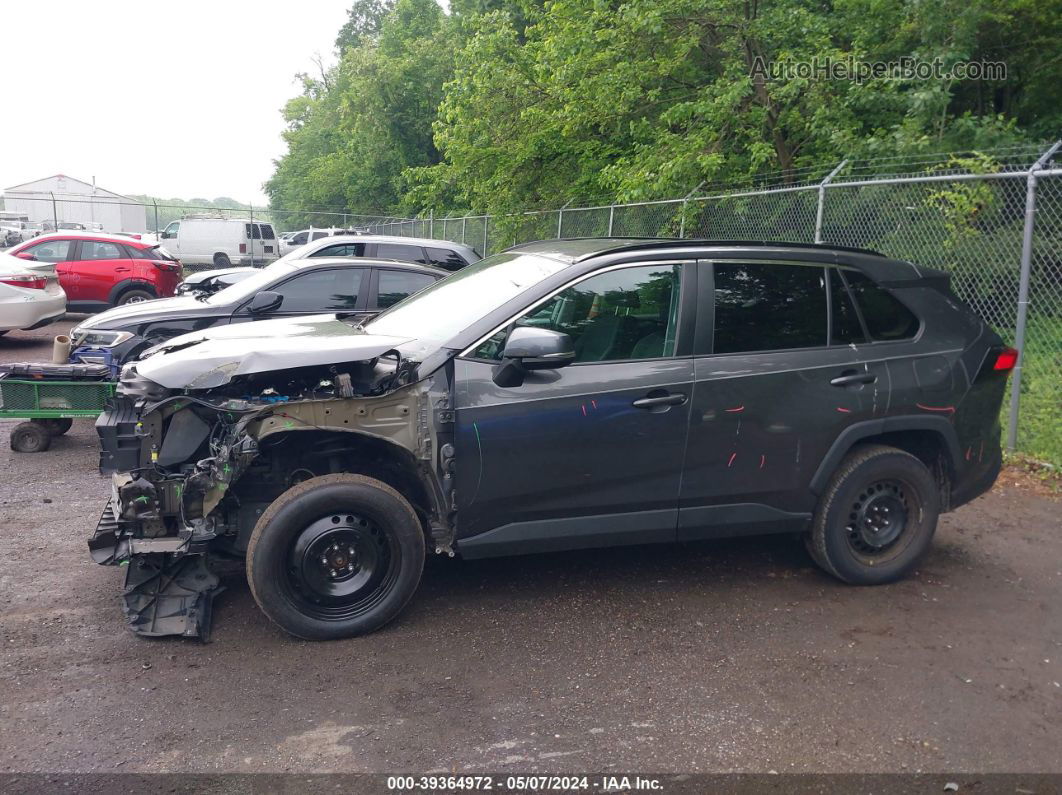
{"points": [[211, 358], [159, 308]]}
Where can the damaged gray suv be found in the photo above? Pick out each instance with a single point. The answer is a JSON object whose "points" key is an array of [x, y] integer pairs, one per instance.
{"points": [[559, 395]]}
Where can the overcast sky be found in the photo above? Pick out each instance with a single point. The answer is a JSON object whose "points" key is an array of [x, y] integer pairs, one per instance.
{"points": [[172, 99]]}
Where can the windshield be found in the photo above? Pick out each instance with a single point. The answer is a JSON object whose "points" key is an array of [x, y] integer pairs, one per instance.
{"points": [[438, 313], [252, 284]]}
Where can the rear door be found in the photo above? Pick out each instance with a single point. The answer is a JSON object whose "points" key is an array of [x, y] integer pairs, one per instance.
{"points": [[100, 265], [589, 454], [778, 377]]}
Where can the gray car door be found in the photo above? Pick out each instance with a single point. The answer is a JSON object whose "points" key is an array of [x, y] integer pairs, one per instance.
{"points": [[589, 454], [778, 377]]}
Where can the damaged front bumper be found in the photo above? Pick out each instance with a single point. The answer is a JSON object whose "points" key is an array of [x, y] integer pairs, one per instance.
{"points": [[191, 473], [169, 585]]}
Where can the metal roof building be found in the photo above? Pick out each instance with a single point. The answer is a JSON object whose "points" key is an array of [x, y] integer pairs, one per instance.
{"points": [[63, 198]]}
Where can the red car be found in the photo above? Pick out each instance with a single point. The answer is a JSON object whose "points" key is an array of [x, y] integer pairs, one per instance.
{"points": [[98, 271]]}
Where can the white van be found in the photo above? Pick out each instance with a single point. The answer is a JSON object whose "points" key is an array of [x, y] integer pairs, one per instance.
{"points": [[221, 242]]}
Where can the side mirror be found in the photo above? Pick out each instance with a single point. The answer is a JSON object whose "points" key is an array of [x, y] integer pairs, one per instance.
{"points": [[26, 256], [529, 349], [265, 301]]}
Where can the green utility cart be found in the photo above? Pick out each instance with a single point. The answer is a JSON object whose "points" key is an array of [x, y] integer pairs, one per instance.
{"points": [[50, 405]]}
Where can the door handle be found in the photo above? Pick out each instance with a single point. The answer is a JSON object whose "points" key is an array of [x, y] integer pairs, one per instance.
{"points": [[851, 379], [659, 401], [121, 270]]}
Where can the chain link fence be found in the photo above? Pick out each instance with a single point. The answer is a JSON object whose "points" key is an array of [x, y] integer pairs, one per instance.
{"points": [[992, 220]]}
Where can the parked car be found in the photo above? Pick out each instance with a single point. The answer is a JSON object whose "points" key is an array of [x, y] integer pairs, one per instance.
{"points": [[10, 235], [440, 253], [220, 242], [212, 281], [559, 395], [28, 300], [293, 240], [97, 270], [357, 288]]}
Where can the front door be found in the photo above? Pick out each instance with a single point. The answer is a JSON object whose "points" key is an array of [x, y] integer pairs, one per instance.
{"points": [[589, 454], [316, 291], [100, 266]]}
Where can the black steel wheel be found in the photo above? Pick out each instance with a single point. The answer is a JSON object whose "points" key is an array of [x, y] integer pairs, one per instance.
{"points": [[341, 566], [876, 518], [335, 556], [29, 437], [222, 261]]}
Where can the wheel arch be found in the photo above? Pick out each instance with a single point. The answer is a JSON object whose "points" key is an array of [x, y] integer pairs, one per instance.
{"points": [[124, 286], [355, 452], [932, 440]]}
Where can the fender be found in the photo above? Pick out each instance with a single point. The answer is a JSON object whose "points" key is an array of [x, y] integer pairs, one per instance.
{"points": [[127, 284], [868, 428]]}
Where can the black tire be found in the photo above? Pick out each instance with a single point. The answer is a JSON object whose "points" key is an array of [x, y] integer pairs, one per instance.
{"points": [[135, 296], [335, 556], [876, 518], [222, 261], [29, 437], [56, 427]]}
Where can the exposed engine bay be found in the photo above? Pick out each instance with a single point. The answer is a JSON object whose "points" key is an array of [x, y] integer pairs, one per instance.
{"points": [[194, 468]]}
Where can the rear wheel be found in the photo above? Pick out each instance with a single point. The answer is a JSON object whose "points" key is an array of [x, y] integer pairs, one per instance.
{"points": [[222, 261], [335, 556], [135, 296], [876, 519], [56, 427], [29, 437]]}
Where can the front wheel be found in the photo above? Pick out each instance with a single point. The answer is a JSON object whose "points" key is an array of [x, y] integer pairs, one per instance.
{"points": [[876, 518], [335, 556]]}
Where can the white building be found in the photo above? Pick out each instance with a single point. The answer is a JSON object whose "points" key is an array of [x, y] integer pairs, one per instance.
{"points": [[77, 201]]}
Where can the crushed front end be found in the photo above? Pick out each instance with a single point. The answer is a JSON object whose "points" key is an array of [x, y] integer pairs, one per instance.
{"points": [[193, 469]]}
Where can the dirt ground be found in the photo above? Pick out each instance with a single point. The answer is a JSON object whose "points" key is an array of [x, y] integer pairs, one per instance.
{"points": [[724, 656]]}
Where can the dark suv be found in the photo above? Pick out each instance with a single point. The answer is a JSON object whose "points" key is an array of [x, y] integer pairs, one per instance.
{"points": [[559, 395]]}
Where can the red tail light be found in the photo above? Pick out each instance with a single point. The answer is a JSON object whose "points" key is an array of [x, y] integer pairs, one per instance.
{"points": [[1006, 359], [167, 265], [243, 248], [28, 281]]}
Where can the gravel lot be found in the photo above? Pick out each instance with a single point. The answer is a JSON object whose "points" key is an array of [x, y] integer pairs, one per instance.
{"points": [[726, 656]]}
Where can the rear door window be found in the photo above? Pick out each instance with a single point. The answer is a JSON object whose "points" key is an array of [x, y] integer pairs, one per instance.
{"points": [[321, 290], [396, 285], [98, 249], [887, 319], [769, 307], [267, 232], [400, 251], [341, 250]]}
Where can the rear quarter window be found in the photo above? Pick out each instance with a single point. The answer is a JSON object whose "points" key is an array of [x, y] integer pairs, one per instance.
{"points": [[886, 318]]}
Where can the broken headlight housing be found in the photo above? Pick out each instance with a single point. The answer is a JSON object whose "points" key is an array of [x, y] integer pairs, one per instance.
{"points": [[99, 339]]}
